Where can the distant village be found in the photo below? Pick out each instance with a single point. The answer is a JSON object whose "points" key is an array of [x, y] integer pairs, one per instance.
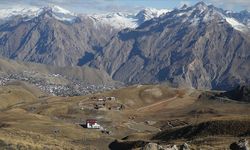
{"points": [[75, 87]]}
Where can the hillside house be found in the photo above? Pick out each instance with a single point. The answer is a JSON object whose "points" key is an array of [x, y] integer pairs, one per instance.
{"points": [[92, 124]]}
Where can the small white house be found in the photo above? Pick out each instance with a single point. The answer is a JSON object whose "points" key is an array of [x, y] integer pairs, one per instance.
{"points": [[92, 124]]}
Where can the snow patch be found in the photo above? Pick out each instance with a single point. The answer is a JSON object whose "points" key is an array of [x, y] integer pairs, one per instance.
{"points": [[19, 11], [32, 12], [235, 24], [116, 20], [127, 20], [60, 10]]}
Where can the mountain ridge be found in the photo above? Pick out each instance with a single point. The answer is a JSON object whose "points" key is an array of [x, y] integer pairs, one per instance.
{"points": [[183, 47], [200, 46], [118, 20]]}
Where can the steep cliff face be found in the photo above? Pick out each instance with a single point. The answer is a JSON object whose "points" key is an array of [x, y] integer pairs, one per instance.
{"points": [[196, 46]]}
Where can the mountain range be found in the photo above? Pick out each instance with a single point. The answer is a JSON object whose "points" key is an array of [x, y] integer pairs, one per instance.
{"points": [[199, 46]]}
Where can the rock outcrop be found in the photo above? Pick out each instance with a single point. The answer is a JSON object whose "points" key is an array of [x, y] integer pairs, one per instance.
{"points": [[184, 146], [240, 145], [155, 146], [152, 146]]}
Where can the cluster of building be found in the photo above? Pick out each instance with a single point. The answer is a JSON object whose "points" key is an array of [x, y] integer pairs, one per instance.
{"points": [[74, 87], [105, 103], [103, 98]]}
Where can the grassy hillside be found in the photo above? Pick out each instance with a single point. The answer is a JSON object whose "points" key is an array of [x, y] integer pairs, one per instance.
{"points": [[151, 113], [18, 93]]}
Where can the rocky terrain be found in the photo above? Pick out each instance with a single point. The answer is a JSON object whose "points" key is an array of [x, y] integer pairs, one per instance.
{"points": [[55, 36], [198, 46], [46, 40]]}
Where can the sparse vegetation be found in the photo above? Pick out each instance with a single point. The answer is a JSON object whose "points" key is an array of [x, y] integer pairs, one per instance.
{"points": [[56, 121]]}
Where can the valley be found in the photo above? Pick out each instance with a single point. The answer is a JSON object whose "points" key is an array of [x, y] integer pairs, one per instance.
{"points": [[140, 78]]}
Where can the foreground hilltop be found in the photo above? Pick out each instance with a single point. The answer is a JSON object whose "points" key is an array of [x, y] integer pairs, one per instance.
{"points": [[137, 116]]}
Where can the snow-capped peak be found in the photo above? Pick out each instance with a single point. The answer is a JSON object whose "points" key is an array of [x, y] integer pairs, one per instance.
{"points": [[32, 11], [201, 5], [128, 20], [59, 9], [60, 13], [149, 13], [116, 20], [19, 11], [201, 13]]}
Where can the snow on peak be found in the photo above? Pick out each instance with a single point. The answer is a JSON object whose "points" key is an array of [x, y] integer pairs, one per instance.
{"points": [[59, 9], [235, 24], [201, 4], [32, 11], [116, 20], [149, 13], [203, 13], [128, 20], [60, 13], [19, 11]]}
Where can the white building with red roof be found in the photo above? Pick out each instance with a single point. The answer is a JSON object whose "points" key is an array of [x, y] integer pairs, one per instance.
{"points": [[92, 124]]}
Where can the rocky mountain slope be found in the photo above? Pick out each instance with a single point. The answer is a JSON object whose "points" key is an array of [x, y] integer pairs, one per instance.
{"points": [[53, 35], [47, 40], [243, 16], [199, 46]]}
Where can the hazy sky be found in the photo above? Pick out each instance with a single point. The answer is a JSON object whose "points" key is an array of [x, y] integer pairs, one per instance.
{"points": [[86, 6]]}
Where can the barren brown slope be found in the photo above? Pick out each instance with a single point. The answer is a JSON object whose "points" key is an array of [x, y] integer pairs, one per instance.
{"points": [[18, 93], [57, 119]]}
